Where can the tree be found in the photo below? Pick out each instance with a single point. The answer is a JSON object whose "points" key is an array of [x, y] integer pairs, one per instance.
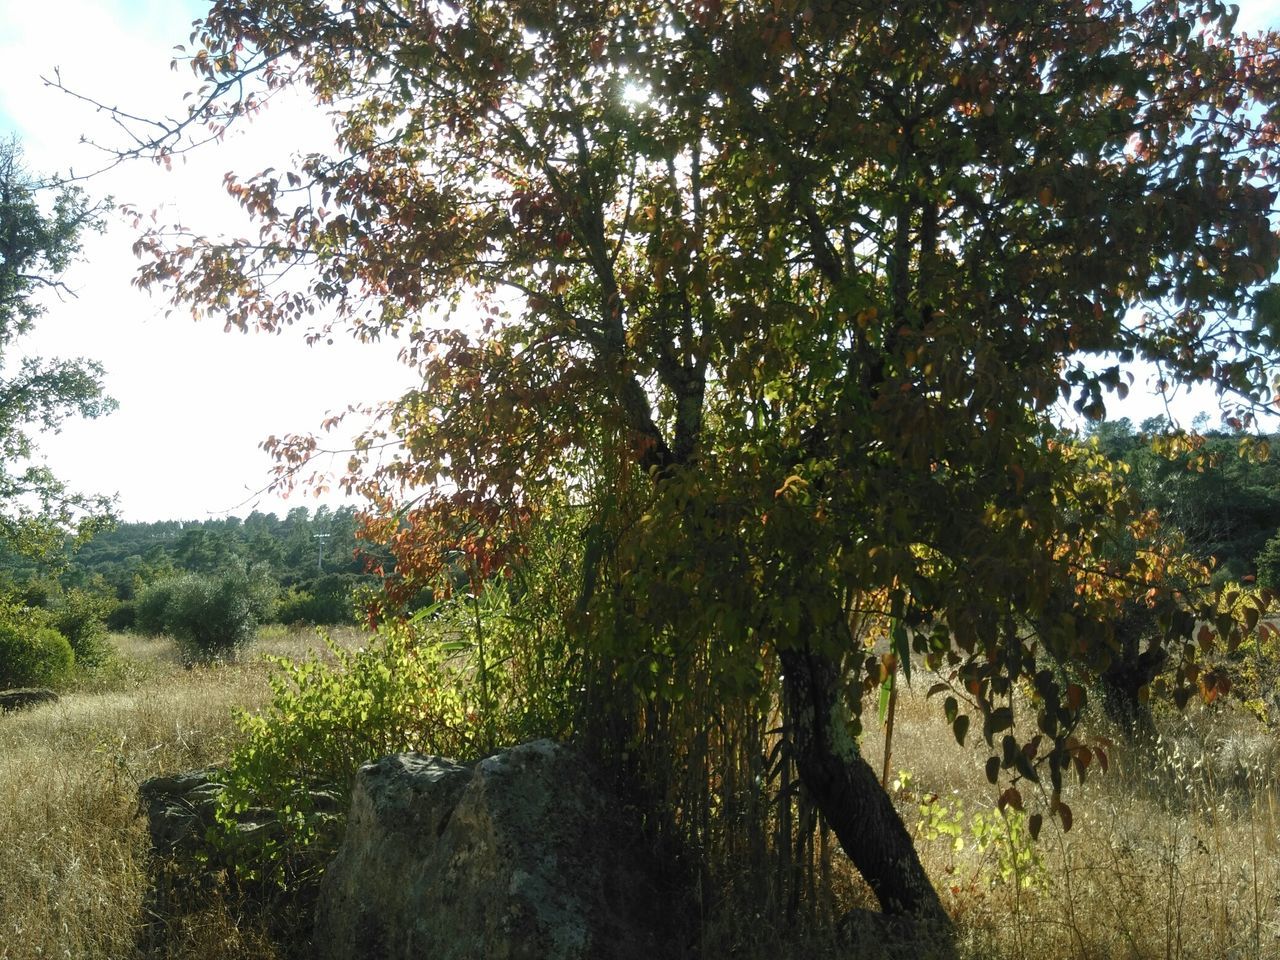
{"points": [[1269, 564], [208, 550], [1218, 502], [778, 300], [1221, 490], [211, 616], [38, 241]]}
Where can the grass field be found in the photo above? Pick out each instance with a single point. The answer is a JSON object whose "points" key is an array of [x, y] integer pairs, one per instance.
{"points": [[72, 847], [1174, 854]]}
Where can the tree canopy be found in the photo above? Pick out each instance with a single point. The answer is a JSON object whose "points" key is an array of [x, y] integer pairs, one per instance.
{"points": [[41, 225], [1212, 487], [777, 302]]}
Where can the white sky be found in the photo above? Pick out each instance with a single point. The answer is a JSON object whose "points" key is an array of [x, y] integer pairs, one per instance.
{"points": [[194, 402]]}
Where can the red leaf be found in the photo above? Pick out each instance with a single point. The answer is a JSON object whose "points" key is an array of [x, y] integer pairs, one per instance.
{"points": [[1064, 814]]}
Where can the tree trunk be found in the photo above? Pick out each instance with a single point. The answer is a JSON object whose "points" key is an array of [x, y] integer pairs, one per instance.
{"points": [[1129, 671], [844, 787]]}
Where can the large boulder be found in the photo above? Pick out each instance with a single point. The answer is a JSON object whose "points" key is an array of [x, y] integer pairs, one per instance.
{"points": [[25, 698], [522, 857]]}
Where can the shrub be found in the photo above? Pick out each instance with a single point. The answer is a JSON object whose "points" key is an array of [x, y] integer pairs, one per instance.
{"points": [[325, 601], [123, 617], [151, 607], [294, 606], [324, 720], [209, 616], [31, 654], [78, 613], [80, 616], [1269, 564], [422, 685]]}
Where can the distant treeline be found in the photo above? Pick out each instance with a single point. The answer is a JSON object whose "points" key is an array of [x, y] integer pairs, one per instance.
{"points": [[315, 559], [1227, 506]]}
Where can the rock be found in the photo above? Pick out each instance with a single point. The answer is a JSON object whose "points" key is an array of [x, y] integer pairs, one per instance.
{"points": [[179, 810], [520, 858], [24, 698]]}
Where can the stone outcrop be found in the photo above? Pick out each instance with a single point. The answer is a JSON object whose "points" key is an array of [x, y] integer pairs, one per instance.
{"points": [[522, 857], [181, 812], [180, 809], [25, 698]]}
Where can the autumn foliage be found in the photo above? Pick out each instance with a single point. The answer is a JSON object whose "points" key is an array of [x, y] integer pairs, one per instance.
{"points": [[775, 306]]}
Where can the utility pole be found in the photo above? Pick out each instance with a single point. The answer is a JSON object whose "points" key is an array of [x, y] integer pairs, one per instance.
{"points": [[320, 538]]}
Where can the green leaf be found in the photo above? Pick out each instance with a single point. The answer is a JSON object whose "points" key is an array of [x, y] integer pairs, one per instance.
{"points": [[901, 647], [886, 695], [999, 719]]}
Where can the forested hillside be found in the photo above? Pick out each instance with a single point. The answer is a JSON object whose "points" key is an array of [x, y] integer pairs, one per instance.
{"points": [[1223, 497], [314, 560]]}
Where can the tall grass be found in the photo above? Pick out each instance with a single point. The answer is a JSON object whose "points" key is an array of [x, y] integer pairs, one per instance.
{"points": [[73, 848], [1174, 854]]}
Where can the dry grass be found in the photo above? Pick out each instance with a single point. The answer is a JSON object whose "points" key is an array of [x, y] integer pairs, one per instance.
{"points": [[73, 870], [1174, 854]]}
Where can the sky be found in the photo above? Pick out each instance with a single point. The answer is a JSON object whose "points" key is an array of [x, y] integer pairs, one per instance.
{"points": [[195, 402]]}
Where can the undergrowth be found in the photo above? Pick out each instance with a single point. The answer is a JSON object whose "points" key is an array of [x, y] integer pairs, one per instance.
{"points": [[1173, 855]]}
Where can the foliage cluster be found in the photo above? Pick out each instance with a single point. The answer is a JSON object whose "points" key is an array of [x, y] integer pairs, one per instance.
{"points": [[1219, 490], [1269, 564], [315, 557], [80, 615], [32, 652], [1251, 675], [1007, 853], [331, 599], [41, 227], [433, 684], [210, 615]]}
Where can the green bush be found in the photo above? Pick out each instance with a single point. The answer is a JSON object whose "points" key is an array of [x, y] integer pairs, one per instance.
{"points": [[80, 616], [324, 601], [210, 616], [151, 607], [123, 617], [326, 718], [426, 685], [78, 613], [294, 606], [31, 654], [1269, 564]]}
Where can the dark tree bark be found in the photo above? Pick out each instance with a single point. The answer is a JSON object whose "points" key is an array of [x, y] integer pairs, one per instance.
{"points": [[846, 790], [1132, 669]]}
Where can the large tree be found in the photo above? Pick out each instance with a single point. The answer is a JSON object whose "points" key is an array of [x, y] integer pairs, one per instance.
{"points": [[785, 295], [41, 225]]}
